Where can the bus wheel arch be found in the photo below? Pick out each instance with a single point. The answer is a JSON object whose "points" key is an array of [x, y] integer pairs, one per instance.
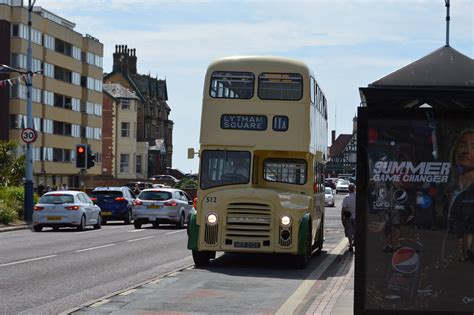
{"points": [[305, 240]]}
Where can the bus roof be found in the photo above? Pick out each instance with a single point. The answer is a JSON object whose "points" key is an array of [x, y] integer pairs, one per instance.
{"points": [[265, 63]]}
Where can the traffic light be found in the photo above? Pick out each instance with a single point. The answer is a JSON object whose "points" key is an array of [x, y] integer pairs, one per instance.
{"points": [[81, 155], [90, 158]]}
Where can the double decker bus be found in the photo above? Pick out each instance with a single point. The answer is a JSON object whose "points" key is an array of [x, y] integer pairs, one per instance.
{"points": [[263, 146]]}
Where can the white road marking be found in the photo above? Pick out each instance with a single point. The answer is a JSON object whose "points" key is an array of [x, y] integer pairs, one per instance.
{"points": [[141, 238], [136, 230], [27, 260], [175, 232], [92, 248], [297, 297]]}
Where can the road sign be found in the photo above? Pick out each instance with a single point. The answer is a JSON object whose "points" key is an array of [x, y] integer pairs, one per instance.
{"points": [[28, 135]]}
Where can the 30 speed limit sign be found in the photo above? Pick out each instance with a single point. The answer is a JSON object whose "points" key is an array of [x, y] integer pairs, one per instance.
{"points": [[28, 135]]}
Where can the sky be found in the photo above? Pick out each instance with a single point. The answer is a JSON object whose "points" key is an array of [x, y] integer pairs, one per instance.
{"points": [[347, 43]]}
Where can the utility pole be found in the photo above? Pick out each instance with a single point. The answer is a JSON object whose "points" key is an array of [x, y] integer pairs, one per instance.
{"points": [[29, 192], [447, 22]]}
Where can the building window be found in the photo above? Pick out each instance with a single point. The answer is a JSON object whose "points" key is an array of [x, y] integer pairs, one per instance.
{"points": [[97, 133], [76, 105], [76, 78], [98, 109], [47, 126], [48, 70], [124, 159], [125, 104], [125, 129], [89, 133], [63, 47], [48, 98], [90, 108], [76, 131], [76, 53], [49, 41], [138, 165]]}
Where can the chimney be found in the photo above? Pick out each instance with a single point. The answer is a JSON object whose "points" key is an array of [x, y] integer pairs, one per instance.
{"points": [[333, 136], [354, 125], [120, 57], [132, 61]]}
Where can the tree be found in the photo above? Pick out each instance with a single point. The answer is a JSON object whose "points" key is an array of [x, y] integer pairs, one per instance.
{"points": [[12, 167]]}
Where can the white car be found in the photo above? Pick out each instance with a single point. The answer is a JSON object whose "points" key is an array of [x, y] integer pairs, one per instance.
{"points": [[328, 197], [342, 186], [65, 208], [161, 205]]}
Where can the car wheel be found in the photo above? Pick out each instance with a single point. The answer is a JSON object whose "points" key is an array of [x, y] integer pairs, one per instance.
{"points": [[55, 228], [82, 225], [37, 228], [180, 224], [104, 222], [128, 220], [137, 224], [99, 223], [156, 225]]}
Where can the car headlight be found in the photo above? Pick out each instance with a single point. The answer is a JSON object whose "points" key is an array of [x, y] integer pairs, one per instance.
{"points": [[285, 220], [211, 218]]}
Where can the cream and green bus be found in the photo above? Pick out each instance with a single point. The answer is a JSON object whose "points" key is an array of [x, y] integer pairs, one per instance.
{"points": [[263, 146]]}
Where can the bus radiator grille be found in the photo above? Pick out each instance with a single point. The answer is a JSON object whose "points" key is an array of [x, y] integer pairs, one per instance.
{"points": [[248, 220], [210, 234]]}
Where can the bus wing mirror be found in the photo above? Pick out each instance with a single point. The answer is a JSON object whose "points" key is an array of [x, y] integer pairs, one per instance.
{"points": [[191, 153]]}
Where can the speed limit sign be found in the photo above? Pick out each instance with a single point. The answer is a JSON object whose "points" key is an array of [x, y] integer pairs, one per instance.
{"points": [[28, 135]]}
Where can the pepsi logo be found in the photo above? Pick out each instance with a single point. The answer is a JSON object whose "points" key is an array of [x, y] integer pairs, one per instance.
{"points": [[405, 260], [400, 196]]}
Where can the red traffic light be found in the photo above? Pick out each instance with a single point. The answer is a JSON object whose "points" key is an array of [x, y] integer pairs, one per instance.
{"points": [[80, 150]]}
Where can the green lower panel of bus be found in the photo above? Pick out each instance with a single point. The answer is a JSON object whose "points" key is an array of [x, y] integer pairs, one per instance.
{"points": [[303, 234], [193, 232]]}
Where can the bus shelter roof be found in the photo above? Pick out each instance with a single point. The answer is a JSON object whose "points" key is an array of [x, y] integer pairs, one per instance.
{"points": [[441, 79]]}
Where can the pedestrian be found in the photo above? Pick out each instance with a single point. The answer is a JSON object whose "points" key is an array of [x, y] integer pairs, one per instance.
{"points": [[136, 190], [462, 210], [41, 188], [63, 187], [348, 215]]}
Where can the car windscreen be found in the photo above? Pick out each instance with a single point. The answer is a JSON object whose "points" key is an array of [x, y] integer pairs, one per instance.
{"points": [[56, 199], [155, 195], [106, 194], [328, 191]]}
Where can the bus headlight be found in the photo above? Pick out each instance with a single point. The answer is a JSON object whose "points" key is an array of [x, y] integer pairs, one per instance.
{"points": [[285, 220], [211, 218]]}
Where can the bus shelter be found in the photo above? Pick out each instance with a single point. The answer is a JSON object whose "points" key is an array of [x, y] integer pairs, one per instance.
{"points": [[415, 189]]}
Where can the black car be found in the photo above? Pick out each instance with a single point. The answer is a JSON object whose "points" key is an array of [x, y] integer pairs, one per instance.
{"points": [[116, 203], [329, 182]]}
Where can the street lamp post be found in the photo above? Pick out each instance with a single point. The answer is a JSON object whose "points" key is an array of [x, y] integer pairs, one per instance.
{"points": [[29, 192]]}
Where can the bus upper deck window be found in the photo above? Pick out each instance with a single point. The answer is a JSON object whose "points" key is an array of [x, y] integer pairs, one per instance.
{"points": [[280, 86], [230, 84]]}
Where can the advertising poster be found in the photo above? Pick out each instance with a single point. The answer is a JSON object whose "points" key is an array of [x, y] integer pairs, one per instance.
{"points": [[420, 212]]}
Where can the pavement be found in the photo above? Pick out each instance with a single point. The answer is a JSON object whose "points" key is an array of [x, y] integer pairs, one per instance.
{"points": [[327, 290]]}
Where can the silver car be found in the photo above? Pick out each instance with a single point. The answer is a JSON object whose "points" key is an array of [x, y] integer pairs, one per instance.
{"points": [[328, 197], [161, 205], [65, 208]]}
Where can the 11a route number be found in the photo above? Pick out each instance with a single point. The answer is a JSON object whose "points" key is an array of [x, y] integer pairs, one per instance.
{"points": [[28, 135]]}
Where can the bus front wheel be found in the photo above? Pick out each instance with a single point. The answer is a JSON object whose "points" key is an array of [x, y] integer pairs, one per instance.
{"points": [[302, 260], [202, 259]]}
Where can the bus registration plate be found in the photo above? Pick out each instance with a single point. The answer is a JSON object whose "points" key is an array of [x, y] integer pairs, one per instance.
{"points": [[247, 244]]}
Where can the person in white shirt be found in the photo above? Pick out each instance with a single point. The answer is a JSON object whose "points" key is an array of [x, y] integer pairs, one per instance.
{"points": [[348, 215]]}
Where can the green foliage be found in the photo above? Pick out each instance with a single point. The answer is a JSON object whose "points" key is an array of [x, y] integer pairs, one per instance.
{"points": [[11, 203], [186, 183], [12, 168], [7, 213]]}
